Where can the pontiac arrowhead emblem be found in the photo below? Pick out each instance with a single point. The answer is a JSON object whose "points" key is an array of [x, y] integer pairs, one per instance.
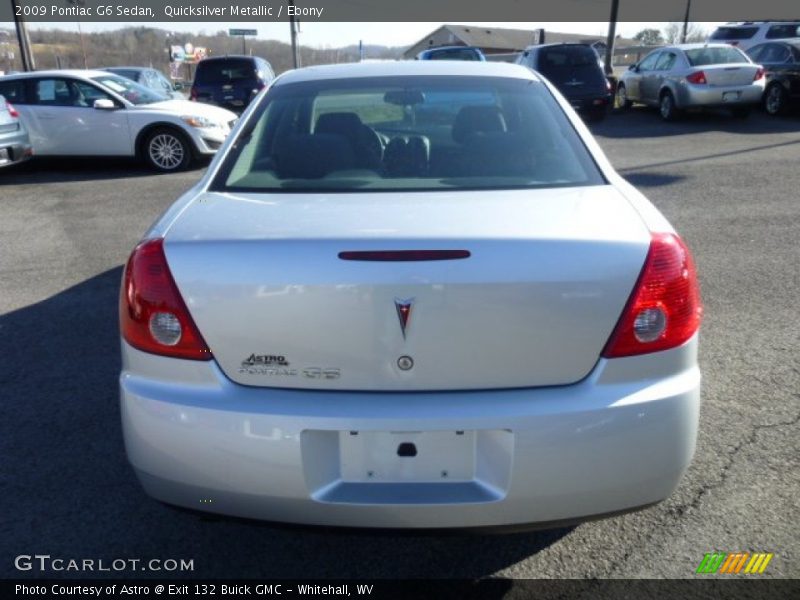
{"points": [[403, 308]]}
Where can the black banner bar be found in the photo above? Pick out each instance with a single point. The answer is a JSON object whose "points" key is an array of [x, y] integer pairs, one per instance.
{"points": [[222, 11], [734, 588]]}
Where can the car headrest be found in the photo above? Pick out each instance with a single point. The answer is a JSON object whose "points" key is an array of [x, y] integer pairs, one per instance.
{"points": [[342, 123], [329, 152], [472, 120]]}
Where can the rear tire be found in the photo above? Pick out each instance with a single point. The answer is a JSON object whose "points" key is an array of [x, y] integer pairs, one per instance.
{"points": [[167, 151], [623, 102], [776, 100], [666, 106]]}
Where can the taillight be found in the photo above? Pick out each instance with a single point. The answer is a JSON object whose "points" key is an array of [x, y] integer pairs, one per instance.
{"points": [[759, 74], [193, 94], [609, 86], [12, 111], [664, 310], [697, 77], [152, 314]]}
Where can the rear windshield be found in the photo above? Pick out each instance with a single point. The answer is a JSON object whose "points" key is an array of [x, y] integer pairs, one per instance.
{"points": [[223, 71], [715, 56], [734, 33], [786, 30], [567, 58], [453, 54], [407, 133]]}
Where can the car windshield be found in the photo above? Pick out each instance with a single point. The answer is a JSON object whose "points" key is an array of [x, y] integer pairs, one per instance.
{"points": [[734, 33], [715, 56], [225, 70], [129, 73], [408, 133], [130, 90]]}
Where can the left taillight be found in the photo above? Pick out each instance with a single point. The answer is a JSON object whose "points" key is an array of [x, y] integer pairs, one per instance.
{"points": [[153, 316]]}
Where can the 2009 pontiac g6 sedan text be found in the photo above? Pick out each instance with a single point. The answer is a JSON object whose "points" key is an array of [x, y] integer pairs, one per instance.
{"points": [[410, 295]]}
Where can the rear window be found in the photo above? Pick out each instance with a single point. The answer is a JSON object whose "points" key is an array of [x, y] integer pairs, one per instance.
{"points": [[734, 33], [715, 56], [453, 54], [785, 30], [223, 71], [555, 59], [407, 133]]}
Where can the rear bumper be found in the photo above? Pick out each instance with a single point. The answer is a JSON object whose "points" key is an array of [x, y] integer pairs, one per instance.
{"points": [[690, 96], [619, 439], [14, 151], [592, 104]]}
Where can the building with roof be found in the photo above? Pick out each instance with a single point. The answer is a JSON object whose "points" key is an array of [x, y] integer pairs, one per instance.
{"points": [[497, 40]]}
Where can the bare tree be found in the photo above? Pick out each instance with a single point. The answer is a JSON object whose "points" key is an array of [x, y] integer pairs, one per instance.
{"points": [[674, 31]]}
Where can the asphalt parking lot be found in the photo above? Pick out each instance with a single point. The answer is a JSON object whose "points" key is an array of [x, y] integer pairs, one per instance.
{"points": [[731, 188]]}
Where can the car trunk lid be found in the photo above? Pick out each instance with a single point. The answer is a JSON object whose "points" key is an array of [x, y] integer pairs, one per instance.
{"points": [[547, 276]]}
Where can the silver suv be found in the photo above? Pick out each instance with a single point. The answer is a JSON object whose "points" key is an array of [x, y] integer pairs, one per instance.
{"points": [[15, 146], [748, 34]]}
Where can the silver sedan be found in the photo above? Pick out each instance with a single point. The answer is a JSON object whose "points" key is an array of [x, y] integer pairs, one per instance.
{"points": [[411, 295], [693, 76]]}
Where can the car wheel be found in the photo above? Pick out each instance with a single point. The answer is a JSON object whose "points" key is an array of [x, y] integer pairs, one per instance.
{"points": [[167, 150], [741, 113], [666, 107], [775, 99], [623, 101]]}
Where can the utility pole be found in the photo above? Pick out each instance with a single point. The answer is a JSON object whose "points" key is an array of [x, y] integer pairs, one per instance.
{"points": [[24, 41], [293, 30], [612, 33], [686, 21]]}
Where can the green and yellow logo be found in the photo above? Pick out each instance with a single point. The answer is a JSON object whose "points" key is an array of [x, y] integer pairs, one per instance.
{"points": [[736, 562]]}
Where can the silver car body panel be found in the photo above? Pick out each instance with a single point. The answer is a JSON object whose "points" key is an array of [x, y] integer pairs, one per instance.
{"points": [[15, 146], [615, 434]]}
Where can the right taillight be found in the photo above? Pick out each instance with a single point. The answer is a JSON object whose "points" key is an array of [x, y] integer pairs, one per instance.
{"points": [[664, 310], [152, 314], [697, 77], [193, 94], [759, 74]]}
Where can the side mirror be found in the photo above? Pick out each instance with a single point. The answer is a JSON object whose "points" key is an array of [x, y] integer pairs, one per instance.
{"points": [[634, 67], [177, 86], [104, 104]]}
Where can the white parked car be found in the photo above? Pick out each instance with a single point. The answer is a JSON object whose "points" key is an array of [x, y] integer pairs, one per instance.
{"points": [[96, 113], [411, 295]]}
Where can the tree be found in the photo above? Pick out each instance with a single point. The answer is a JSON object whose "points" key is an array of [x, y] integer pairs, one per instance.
{"points": [[649, 37], [674, 32]]}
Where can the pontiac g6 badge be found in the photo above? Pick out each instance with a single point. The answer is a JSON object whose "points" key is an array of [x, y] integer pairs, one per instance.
{"points": [[403, 312]]}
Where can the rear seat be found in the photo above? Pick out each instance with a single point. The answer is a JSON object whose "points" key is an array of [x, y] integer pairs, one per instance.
{"points": [[407, 156]]}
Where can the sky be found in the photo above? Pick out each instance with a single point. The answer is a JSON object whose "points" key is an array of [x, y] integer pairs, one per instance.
{"points": [[323, 34]]}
